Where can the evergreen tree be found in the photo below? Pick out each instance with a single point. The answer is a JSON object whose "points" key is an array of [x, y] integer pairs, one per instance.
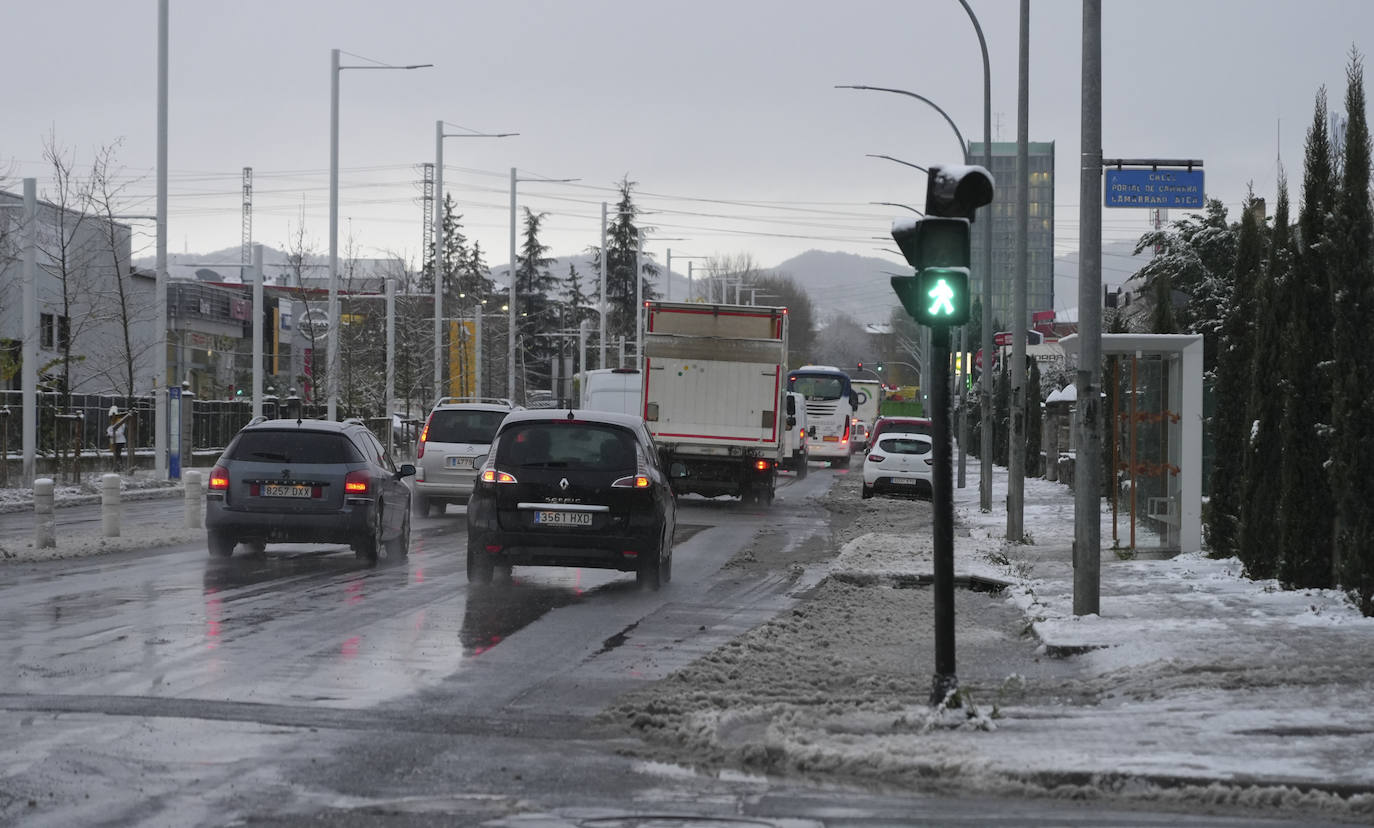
{"points": [[1001, 414], [1034, 419], [1232, 385], [1305, 499], [623, 236], [1196, 257], [1264, 410], [1352, 254], [536, 311]]}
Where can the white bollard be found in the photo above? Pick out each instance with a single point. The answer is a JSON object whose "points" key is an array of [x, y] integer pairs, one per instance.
{"points": [[109, 505], [194, 498], [43, 537]]}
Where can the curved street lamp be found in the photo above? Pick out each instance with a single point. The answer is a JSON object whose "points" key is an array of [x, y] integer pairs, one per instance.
{"points": [[895, 204], [963, 145], [899, 161], [332, 340]]}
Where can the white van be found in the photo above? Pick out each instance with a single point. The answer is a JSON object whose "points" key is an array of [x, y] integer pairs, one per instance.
{"points": [[796, 451], [612, 389]]}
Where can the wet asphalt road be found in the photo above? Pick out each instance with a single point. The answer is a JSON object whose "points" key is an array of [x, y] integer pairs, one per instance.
{"points": [[166, 688]]}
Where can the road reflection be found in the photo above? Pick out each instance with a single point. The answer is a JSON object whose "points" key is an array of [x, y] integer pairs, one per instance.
{"points": [[251, 570], [495, 612]]}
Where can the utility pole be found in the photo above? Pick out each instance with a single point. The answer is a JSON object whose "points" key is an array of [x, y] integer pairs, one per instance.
{"points": [[1016, 440], [601, 304], [1087, 490]]}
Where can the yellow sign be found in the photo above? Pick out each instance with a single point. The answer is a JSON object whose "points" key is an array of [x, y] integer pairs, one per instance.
{"points": [[462, 358]]}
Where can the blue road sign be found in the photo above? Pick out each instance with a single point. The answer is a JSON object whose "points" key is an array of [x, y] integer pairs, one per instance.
{"points": [[1153, 188]]}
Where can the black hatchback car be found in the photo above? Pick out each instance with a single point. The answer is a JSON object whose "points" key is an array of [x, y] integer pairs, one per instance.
{"points": [[308, 481], [572, 488]]}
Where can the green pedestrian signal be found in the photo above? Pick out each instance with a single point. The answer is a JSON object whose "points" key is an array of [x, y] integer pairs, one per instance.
{"points": [[937, 296]]}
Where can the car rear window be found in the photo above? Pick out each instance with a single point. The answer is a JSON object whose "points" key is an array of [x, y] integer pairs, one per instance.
{"points": [[459, 426], [294, 447], [562, 445], [904, 445]]}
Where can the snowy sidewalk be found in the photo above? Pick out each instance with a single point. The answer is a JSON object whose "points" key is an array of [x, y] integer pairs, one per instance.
{"points": [[1201, 679]]}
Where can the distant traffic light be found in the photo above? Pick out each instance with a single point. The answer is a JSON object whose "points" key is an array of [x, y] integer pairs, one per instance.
{"points": [[861, 366], [880, 367]]}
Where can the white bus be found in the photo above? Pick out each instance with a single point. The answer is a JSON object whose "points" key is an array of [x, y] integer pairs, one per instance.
{"points": [[831, 403]]}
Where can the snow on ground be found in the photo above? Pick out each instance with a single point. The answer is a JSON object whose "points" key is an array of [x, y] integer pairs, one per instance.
{"points": [[1195, 688], [132, 536]]}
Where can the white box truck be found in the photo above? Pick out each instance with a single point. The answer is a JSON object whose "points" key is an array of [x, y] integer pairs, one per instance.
{"points": [[715, 381]]}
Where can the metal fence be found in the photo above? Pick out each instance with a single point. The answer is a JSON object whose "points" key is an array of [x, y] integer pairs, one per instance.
{"points": [[72, 426]]}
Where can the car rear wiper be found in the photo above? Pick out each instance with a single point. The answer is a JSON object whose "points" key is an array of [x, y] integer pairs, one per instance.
{"points": [[272, 455]]}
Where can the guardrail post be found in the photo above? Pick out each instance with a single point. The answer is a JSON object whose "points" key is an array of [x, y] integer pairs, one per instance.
{"points": [[43, 537], [109, 505], [193, 499]]}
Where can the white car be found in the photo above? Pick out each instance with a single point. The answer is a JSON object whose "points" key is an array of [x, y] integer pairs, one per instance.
{"points": [[453, 445], [899, 464]]}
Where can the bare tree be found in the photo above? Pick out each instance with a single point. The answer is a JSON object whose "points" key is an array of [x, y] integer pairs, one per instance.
{"points": [[121, 300], [300, 250]]}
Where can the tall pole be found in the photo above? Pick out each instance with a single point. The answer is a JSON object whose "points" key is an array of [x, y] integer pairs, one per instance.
{"points": [[962, 421], [639, 301], [985, 387], [689, 281], [331, 377], [945, 681], [510, 333], [1087, 490], [388, 405], [602, 296], [160, 280], [29, 382], [257, 330], [1016, 439], [439, 269], [668, 280]]}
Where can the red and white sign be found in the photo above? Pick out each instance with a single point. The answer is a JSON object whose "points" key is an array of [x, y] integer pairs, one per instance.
{"points": [[1001, 339]]}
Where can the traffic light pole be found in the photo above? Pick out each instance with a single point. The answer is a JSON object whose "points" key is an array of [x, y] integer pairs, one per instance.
{"points": [[945, 684]]}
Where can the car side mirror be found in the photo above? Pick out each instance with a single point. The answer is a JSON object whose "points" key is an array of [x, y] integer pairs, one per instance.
{"points": [[407, 470], [791, 405], [791, 422], [812, 432], [853, 400]]}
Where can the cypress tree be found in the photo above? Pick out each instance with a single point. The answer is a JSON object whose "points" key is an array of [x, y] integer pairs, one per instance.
{"points": [[1352, 253], [1264, 410], [1034, 419], [1305, 496], [1229, 427]]}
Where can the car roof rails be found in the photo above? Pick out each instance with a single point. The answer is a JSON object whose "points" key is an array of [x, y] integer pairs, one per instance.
{"points": [[489, 400]]}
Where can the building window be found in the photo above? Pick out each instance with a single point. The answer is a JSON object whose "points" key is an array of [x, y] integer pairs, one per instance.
{"points": [[53, 331]]}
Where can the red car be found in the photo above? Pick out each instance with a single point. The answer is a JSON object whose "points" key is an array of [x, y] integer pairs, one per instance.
{"points": [[906, 425]]}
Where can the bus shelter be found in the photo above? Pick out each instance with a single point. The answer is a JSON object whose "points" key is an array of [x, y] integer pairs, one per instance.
{"points": [[1152, 400]]}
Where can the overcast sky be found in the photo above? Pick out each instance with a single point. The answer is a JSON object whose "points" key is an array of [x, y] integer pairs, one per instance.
{"points": [[723, 112]]}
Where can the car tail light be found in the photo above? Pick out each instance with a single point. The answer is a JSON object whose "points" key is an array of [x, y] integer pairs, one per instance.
{"points": [[424, 435], [876, 458], [638, 480], [356, 483], [219, 479], [491, 475], [762, 465]]}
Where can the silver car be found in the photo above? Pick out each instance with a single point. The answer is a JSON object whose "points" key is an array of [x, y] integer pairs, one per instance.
{"points": [[453, 445]]}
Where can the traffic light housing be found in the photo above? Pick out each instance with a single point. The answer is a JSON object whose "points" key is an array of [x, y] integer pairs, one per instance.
{"points": [[939, 249], [938, 246]]}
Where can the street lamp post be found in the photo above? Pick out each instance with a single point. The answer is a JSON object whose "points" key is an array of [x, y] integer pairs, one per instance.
{"points": [[510, 334], [332, 336], [985, 387], [668, 280], [439, 136]]}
